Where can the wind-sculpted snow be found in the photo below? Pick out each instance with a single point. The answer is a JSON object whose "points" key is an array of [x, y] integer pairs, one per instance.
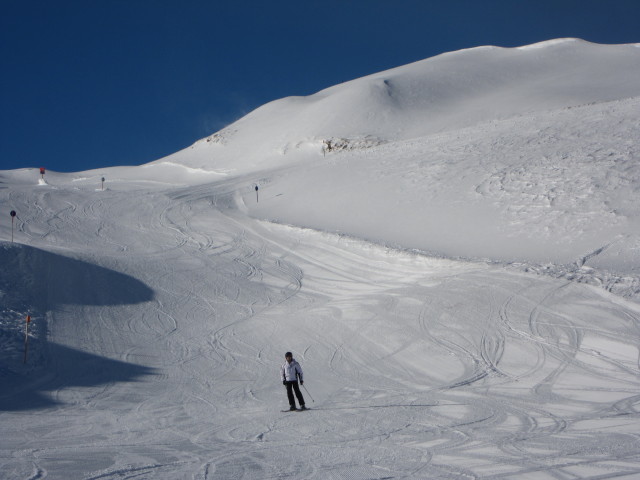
{"points": [[463, 303]]}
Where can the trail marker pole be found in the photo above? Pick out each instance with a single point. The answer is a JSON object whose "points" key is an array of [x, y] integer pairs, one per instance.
{"points": [[26, 337], [13, 216]]}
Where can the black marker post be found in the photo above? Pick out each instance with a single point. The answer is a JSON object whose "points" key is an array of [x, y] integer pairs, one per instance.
{"points": [[13, 216]]}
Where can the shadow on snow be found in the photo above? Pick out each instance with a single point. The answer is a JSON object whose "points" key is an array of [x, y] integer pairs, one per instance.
{"points": [[35, 281], [44, 280], [67, 368]]}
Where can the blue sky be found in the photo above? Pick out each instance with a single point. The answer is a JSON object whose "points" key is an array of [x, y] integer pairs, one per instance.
{"points": [[88, 84]]}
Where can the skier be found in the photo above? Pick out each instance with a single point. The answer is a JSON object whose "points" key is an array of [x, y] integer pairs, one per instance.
{"points": [[289, 374]]}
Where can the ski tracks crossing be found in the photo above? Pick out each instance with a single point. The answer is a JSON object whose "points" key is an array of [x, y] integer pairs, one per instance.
{"points": [[420, 367]]}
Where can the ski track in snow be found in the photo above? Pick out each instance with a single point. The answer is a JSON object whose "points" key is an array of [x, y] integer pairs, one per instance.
{"points": [[484, 372]]}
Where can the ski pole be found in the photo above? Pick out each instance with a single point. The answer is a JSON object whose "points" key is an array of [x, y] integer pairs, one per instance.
{"points": [[305, 389]]}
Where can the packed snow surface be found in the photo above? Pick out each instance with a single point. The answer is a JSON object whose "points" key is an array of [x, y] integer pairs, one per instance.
{"points": [[451, 250]]}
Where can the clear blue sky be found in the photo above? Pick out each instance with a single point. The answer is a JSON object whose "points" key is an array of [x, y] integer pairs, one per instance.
{"points": [[94, 83]]}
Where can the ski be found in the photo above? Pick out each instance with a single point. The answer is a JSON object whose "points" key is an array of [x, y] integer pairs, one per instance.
{"points": [[296, 410]]}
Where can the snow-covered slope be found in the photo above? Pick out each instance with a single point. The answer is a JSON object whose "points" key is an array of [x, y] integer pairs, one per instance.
{"points": [[549, 187], [448, 92], [449, 248], [522, 154]]}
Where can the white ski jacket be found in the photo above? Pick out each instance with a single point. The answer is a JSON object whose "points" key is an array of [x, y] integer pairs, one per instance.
{"points": [[291, 371]]}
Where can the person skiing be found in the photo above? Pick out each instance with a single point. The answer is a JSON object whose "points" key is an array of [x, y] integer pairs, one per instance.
{"points": [[289, 374]]}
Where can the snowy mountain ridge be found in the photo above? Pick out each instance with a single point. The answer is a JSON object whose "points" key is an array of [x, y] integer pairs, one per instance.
{"points": [[447, 92]]}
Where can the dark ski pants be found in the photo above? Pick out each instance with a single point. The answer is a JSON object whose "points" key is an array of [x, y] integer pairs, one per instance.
{"points": [[293, 387]]}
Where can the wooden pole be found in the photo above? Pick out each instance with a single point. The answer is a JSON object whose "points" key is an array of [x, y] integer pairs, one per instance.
{"points": [[26, 337]]}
